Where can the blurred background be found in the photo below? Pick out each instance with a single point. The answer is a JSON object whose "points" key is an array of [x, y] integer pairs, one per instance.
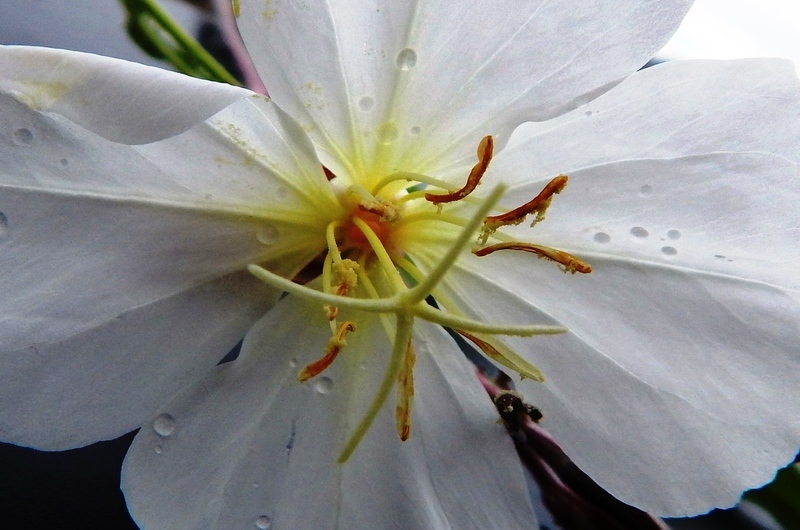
{"points": [[80, 489]]}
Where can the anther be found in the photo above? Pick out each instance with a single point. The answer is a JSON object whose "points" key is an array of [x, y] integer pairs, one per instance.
{"points": [[571, 263], [405, 394], [485, 151], [335, 345], [537, 205]]}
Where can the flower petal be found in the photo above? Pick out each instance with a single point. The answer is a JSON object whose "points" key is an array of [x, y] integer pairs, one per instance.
{"points": [[670, 110], [361, 78], [676, 385], [84, 219], [674, 390], [250, 441], [119, 100], [107, 380]]}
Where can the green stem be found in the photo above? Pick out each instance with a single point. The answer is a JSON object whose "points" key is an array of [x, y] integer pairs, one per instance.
{"points": [[187, 46]]}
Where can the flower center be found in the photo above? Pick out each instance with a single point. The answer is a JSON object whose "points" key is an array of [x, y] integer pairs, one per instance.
{"points": [[367, 267]]}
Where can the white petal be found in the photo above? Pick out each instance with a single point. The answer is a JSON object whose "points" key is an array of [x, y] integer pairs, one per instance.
{"points": [[669, 110], [432, 78], [107, 380], [120, 100], [676, 385], [674, 390], [92, 228], [250, 441], [733, 214]]}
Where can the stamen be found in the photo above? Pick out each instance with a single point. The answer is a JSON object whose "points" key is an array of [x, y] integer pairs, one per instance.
{"points": [[455, 321], [402, 339], [485, 151], [504, 355], [421, 290], [538, 205], [405, 394], [571, 263], [335, 345], [380, 252]]}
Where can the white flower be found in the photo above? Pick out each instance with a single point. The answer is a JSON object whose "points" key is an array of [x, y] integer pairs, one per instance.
{"points": [[133, 201]]}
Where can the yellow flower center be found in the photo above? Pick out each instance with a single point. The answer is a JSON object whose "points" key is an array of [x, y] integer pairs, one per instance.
{"points": [[367, 267]]}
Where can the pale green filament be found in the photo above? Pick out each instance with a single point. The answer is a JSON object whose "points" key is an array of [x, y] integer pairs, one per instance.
{"points": [[412, 177], [330, 237], [422, 289], [405, 324], [380, 252]]}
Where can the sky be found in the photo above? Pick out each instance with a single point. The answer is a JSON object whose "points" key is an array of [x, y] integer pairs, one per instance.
{"points": [[729, 29]]}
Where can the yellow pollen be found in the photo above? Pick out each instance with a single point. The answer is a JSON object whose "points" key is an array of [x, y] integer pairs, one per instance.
{"points": [[335, 345]]}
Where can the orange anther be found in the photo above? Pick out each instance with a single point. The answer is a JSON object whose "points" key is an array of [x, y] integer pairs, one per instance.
{"points": [[538, 205], [485, 150], [335, 345], [405, 394], [571, 263]]}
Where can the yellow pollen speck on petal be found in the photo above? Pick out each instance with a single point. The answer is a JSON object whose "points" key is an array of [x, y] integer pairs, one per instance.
{"points": [[332, 350], [236, 8]]}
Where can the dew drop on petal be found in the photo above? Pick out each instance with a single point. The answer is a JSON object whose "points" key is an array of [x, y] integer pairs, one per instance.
{"points": [[719, 256], [387, 133], [415, 130], [164, 425], [323, 385], [366, 103], [674, 234], [255, 485], [64, 162], [159, 449], [267, 235], [23, 137], [602, 237], [3, 226], [588, 112], [406, 59], [640, 232], [293, 363], [208, 196], [646, 190], [669, 251], [263, 522]]}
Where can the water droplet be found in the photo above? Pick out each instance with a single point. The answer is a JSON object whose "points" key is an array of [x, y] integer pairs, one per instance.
{"points": [[387, 133], [64, 162], [263, 522], [366, 103], [674, 234], [639, 231], [3, 226], [267, 234], [602, 237], [293, 363], [164, 425], [669, 251], [588, 112], [23, 136], [406, 59], [255, 485], [159, 449], [719, 256], [646, 190], [209, 196], [415, 130], [323, 385]]}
